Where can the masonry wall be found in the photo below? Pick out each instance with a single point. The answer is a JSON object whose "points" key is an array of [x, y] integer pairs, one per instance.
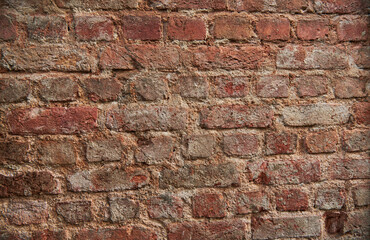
{"points": [[175, 119]]}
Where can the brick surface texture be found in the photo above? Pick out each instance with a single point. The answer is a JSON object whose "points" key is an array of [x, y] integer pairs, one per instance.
{"points": [[184, 119]]}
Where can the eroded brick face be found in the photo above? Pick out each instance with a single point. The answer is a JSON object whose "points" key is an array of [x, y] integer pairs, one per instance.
{"points": [[184, 119]]}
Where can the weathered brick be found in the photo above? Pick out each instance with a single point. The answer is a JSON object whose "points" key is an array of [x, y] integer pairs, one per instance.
{"points": [[233, 27], [353, 30], [185, 28], [211, 205], [347, 87], [150, 87], [8, 30], [94, 28], [315, 114], [27, 212], [222, 230], [155, 150], [201, 146], [284, 172], [311, 86], [212, 57], [330, 198], [242, 145], [347, 169], [280, 143], [228, 86], [360, 56], [357, 224], [236, 116], [322, 142], [273, 87], [47, 58], [14, 151], [128, 233], [193, 4], [294, 6], [291, 200], [361, 112], [107, 179], [57, 152], [49, 235], [356, 140], [98, 4], [286, 227], [273, 29], [58, 89], [47, 28], [165, 206], [13, 90], [29, 184], [123, 209], [339, 6], [104, 149], [192, 86], [252, 202], [75, 212], [313, 29], [246, 5], [221, 175], [361, 195], [334, 222], [143, 27], [102, 89], [312, 57], [56, 120], [161, 118]]}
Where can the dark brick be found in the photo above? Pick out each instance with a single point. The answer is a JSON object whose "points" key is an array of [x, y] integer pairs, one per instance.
{"points": [[75, 212]]}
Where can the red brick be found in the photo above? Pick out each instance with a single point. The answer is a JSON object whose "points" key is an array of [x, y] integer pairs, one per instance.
{"points": [[246, 5], [284, 172], [273, 87], [201, 146], [346, 169], [291, 200], [165, 206], [192, 86], [192, 4], [330, 198], [56, 120], [98, 4], [185, 28], [273, 29], [286, 227], [219, 175], [94, 28], [107, 179], [322, 142], [102, 89], [353, 30], [242, 145], [361, 112], [13, 90], [228, 86], [150, 87], [295, 6], [334, 222], [58, 89], [356, 140], [160, 118], [57, 152], [104, 149], [14, 151], [155, 150], [47, 58], [27, 212], [361, 195], [252, 202], [315, 114], [8, 30], [223, 230], [312, 57], [49, 235], [280, 143], [236, 116], [211, 205], [229, 58], [75, 212], [339, 6], [47, 28], [313, 29], [127, 233], [143, 27], [29, 184], [123, 209], [360, 56], [311, 86], [233, 27]]}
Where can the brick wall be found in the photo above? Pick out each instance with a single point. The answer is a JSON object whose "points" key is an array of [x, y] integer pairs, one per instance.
{"points": [[184, 119]]}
